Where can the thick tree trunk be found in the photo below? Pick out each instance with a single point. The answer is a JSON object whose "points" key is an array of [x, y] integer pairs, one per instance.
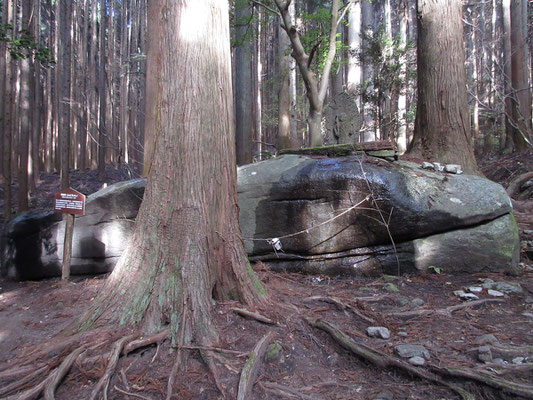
{"points": [[186, 245], [124, 82], [442, 128], [293, 85], [386, 123], [519, 78], [36, 98], [65, 22], [244, 102], [7, 115], [284, 99], [367, 114], [3, 76], [506, 46], [25, 120], [102, 127], [354, 73], [401, 137]]}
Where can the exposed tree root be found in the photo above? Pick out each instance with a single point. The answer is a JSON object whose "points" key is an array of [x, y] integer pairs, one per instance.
{"points": [[145, 341], [517, 389], [507, 352], [443, 311], [12, 372], [178, 360], [514, 187], [60, 373], [23, 381], [253, 315], [504, 369], [382, 360], [131, 394], [115, 355], [342, 306], [211, 362], [32, 393], [252, 366], [285, 391], [371, 299], [386, 361], [217, 349], [49, 384]]}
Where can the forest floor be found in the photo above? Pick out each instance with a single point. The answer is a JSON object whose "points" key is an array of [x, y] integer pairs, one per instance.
{"points": [[308, 317]]}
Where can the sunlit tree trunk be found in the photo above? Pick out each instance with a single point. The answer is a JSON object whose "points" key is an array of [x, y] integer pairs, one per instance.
{"points": [[186, 246], [284, 99], [442, 128], [124, 82], [25, 120], [354, 73], [367, 114], [293, 82], [36, 98], [387, 122], [401, 137]]}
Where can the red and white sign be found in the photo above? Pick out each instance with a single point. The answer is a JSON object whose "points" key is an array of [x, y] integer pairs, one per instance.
{"points": [[69, 201]]}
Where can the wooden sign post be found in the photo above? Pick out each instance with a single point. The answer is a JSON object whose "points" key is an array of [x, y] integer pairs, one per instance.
{"points": [[72, 203]]}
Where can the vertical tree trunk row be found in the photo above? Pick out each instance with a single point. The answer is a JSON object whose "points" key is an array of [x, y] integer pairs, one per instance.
{"points": [[51, 112]]}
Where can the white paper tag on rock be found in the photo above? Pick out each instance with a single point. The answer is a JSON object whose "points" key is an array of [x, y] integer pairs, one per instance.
{"points": [[276, 243]]}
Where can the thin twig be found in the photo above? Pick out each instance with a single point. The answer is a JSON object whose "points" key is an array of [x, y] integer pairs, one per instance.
{"points": [[444, 311], [131, 394], [266, 7], [374, 201], [312, 227], [217, 349], [336, 301]]}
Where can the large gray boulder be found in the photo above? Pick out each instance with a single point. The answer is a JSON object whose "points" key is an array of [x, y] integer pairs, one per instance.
{"points": [[328, 214], [460, 223], [34, 241]]}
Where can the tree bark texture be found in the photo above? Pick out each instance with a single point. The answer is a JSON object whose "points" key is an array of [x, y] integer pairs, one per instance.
{"points": [[401, 138], [506, 61], [244, 101], [25, 120], [102, 84], [521, 98], [284, 99], [186, 246], [65, 22], [442, 127], [7, 133], [354, 74]]}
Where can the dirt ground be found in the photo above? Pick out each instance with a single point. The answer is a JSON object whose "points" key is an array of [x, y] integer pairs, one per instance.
{"points": [[307, 362]]}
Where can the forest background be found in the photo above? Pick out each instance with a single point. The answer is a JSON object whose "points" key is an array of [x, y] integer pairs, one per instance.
{"points": [[73, 76]]}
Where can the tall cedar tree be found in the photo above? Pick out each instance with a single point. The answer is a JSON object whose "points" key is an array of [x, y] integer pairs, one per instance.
{"points": [[186, 246], [442, 126]]}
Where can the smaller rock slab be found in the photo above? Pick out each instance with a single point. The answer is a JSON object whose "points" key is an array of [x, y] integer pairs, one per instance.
{"points": [[411, 350]]}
